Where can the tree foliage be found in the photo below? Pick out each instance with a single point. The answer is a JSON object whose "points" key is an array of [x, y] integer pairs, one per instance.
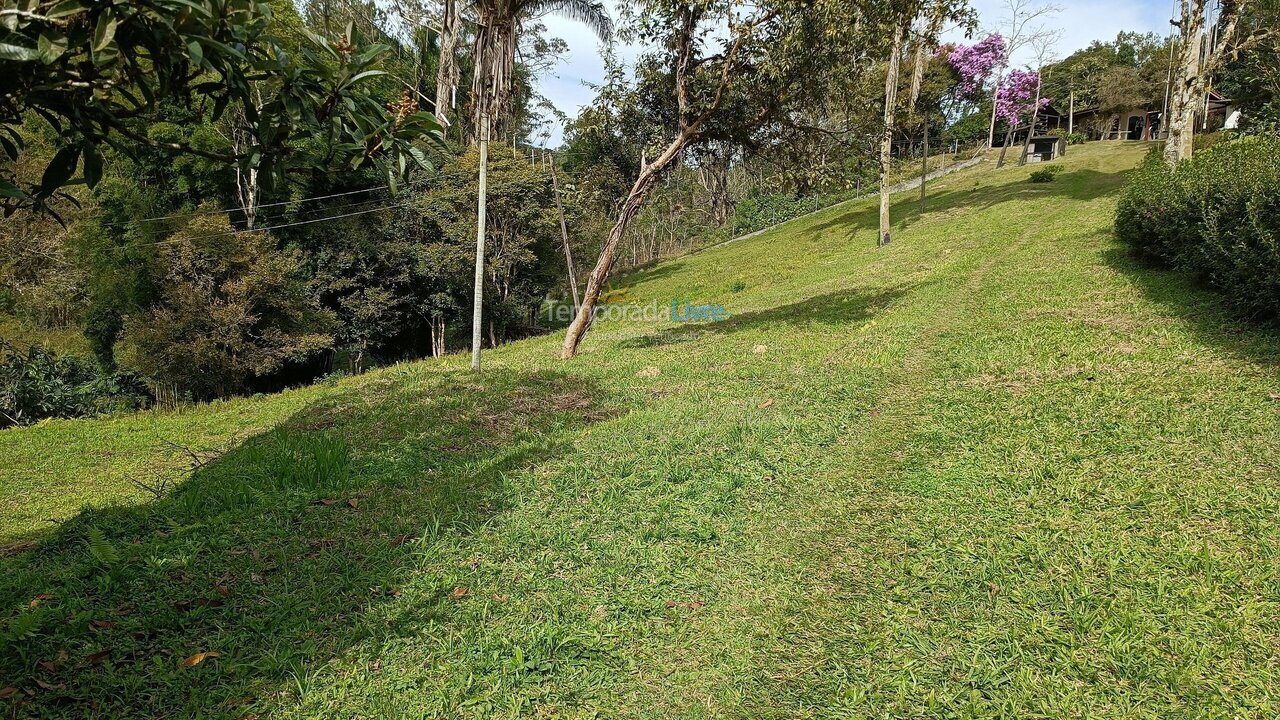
{"points": [[95, 70]]}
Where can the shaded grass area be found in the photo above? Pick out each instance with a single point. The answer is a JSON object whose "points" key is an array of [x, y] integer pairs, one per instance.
{"points": [[994, 470]]}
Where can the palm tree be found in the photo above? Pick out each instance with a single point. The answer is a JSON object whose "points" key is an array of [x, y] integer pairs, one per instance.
{"points": [[497, 23]]}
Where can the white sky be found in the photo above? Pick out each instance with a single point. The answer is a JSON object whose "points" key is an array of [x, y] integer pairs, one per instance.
{"points": [[1081, 22]]}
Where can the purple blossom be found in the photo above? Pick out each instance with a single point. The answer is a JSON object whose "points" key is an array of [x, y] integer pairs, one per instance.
{"points": [[975, 63], [1016, 97]]}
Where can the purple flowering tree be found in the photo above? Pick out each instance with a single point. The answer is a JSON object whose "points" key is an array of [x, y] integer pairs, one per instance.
{"points": [[976, 63], [1018, 100], [1019, 97]]}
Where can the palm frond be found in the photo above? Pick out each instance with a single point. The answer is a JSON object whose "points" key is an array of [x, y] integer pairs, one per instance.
{"points": [[591, 13]]}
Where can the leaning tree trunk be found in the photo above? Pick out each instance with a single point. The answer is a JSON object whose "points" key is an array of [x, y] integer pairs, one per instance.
{"points": [[1004, 149], [886, 142], [649, 174], [492, 86], [1035, 118], [447, 74], [1188, 84]]}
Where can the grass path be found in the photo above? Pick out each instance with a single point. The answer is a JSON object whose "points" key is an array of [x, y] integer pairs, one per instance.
{"points": [[993, 470]]}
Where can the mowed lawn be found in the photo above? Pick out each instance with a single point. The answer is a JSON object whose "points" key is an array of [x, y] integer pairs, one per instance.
{"points": [[996, 469]]}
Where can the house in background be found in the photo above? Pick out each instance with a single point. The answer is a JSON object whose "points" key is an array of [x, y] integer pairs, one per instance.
{"points": [[1132, 124]]}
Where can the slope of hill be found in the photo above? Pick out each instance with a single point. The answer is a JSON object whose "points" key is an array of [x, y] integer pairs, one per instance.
{"points": [[993, 470]]}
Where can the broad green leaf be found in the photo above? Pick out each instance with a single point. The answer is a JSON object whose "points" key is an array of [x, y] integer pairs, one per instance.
{"points": [[105, 31], [66, 9], [18, 53], [52, 46], [60, 169], [9, 190]]}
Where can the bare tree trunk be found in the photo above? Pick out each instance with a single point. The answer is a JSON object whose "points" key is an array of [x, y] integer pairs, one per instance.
{"points": [[447, 75], [1035, 117], [492, 86], [564, 235], [886, 142], [644, 183], [1187, 83], [995, 102], [1004, 149]]}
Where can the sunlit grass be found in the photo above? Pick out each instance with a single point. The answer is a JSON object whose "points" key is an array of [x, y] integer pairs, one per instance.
{"points": [[993, 470]]}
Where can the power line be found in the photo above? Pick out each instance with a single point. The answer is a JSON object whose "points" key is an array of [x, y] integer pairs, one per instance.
{"points": [[224, 211], [133, 224], [264, 229]]}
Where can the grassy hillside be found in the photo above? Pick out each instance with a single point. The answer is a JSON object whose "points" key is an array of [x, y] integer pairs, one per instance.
{"points": [[993, 470]]}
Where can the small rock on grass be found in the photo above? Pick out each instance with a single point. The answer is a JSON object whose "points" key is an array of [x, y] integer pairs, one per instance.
{"points": [[760, 349], [649, 372]]}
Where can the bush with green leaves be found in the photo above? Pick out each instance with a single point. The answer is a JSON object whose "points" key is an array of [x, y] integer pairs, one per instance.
{"points": [[1046, 174], [1216, 215], [36, 384], [1076, 138]]}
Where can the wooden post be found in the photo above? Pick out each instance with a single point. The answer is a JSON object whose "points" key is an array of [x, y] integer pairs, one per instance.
{"points": [[1071, 115], [924, 164], [480, 222]]}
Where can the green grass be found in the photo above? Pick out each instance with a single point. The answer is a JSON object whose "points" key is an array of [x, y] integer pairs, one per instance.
{"points": [[993, 470]]}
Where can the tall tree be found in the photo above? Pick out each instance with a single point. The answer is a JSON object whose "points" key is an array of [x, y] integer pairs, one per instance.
{"points": [[886, 138], [754, 73], [447, 72], [497, 26], [1022, 24], [1201, 54]]}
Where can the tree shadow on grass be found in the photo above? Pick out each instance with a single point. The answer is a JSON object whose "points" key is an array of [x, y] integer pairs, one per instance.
{"points": [[842, 307], [1205, 311], [276, 555]]}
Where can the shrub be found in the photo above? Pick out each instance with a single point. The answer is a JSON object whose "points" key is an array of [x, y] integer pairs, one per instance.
{"points": [[36, 384], [1076, 138], [1216, 215], [1043, 175], [231, 309]]}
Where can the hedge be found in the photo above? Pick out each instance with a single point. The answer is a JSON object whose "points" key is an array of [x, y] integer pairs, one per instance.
{"points": [[1216, 215]]}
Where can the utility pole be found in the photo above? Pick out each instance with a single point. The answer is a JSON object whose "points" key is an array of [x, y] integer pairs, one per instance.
{"points": [[564, 235], [1071, 114], [479, 296]]}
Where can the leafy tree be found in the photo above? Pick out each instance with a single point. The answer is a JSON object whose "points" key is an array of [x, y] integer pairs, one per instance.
{"points": [[93, 69], [498, 23], [230, 308]]}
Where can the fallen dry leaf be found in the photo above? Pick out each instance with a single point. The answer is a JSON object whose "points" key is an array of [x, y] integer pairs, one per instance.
{"points": [[502, 598], [222, 590], [49, 686], [199, 658], [649, 372], [458, 593], [101, 624], [98, 658], [1275, 396], [326, 502], [354, 503], [48, 665], [39, 599], [400, 540], [874, 413], [760, 349], [765, 404], [8, 692]]}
